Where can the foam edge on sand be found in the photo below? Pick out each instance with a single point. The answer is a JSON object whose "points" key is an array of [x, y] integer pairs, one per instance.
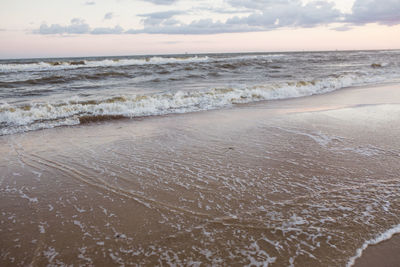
{"points": [[381, 237]]}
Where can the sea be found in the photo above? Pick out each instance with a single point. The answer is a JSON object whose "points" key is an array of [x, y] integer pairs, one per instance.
{"points": [[119, 182], [51, 92]]}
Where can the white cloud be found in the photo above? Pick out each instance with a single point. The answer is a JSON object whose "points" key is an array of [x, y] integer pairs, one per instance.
{"points": [[116, 30], [108, 15], [161, 2], [250, 16], [159, 18], [260, 4], [386, 12], [77, 26], [291, 14], [161, 15], [342, 28], [266, 15]]}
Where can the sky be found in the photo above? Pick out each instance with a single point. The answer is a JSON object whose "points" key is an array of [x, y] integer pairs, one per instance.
{"points": [[67, 28]]}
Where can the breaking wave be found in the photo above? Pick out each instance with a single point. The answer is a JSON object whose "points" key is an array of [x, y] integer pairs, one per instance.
{"points": [[14, 119], [58, 79], [117, 62], [58, 65]]}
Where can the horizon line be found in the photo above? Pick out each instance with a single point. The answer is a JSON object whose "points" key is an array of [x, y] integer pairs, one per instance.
{"points": [[201, 53]]}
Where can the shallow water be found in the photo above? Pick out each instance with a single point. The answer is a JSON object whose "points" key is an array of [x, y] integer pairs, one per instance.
{"points": [[254, 185]]}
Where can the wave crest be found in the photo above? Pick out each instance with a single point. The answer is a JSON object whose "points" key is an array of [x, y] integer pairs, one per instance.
{"points": [[47, 115], [57, 65]]}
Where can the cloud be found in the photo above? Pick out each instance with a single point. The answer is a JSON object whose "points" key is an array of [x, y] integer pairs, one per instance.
{"points": [[116, 30], [77, 26], [221, 10], [203, 26], [161, 2], [259, 4], [342, 28], [108, 15], [159, 18], [289, 14], [265, 15], [251, 16], [161, 15], [90, 3], [386, 12]]}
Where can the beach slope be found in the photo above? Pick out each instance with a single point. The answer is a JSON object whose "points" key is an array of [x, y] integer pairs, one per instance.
{"points": [[281, 183]]}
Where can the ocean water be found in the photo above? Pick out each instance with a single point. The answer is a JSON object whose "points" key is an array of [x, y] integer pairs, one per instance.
{"points": [[247, 189], [46, 93], [269, 186]]}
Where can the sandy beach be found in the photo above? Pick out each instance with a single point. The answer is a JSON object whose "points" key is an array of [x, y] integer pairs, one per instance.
{"points": [[294, 182], [385, 254]]}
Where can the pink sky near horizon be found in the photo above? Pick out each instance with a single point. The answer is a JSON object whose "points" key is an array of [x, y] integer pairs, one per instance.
{"points": [[370, 37], [20, 18]]}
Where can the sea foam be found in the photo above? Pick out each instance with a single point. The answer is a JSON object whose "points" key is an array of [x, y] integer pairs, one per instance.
{"points": [[14, 118], [59, 65]]}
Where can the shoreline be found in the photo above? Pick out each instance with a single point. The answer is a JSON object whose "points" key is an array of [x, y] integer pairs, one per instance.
{"points": [[302, 181], [381, 251], [38, 116]]}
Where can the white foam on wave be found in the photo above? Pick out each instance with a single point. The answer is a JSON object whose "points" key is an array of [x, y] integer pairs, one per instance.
{"points": [[251, 57], [74, 64], [382, 237], [38, 126], [40, 66], [49, 115]]}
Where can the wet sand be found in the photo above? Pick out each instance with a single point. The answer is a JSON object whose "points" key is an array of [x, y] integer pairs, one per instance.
{"points": [[293, 182], [384, 254]]}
